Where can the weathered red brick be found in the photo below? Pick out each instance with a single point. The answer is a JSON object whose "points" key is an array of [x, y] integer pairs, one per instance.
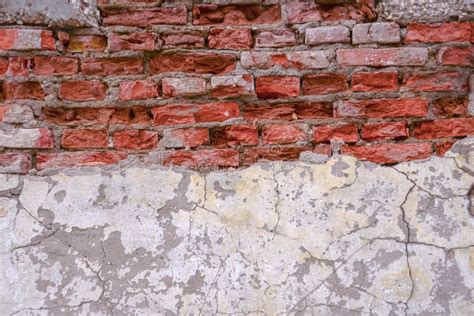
{"points": [[15, 163], [448, 106], [19, 66], [225, 38], [442, 148], [203, 158], [77, 116], [287, 112], [296, 59], [384, 130], [283, 133], [438, 32], [235, 14], [184, 87], [323, 149], [84, 138], [444, 128], [27, 90], [458, 56], [232, 86], [303, 12], [324, 83], [15, 113], [271, 87], [83, 90], [194, 113], [436, 81], [47, 66], [184, 39], [341, 132], [138, 90], [252, 155], [135, 140], [142, 18], [275, 38], [389, 153], [327, 34], [112, 66], [26, 39], [234, 135], [193, 62], [131, 41], [136, 115], [375, 81], [380, 32], [380, 57], [78, 159], [185, 137], [3, 65], [381, 108], [313, 110], [40, 138], [86, 43]]}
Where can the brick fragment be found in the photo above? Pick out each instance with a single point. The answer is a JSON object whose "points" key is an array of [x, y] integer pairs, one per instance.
{"points": [[19, 66], [144, 17], [380, 33], [389, 153], [438, 32], [327, 34], [184, 87], [135, 140], [381, 57], [84, 138], [341, 132], [308, 11], [324, 83], [235, 14], [275, 38], [384, 130], [271, 87], [131, 41], [234, 135], [40, 138], [86, 43], [185, 137], [225, 38], [78, 159], [138, 90], [203, 158], [444, 128], [16, 113], [449, 106], [83, 90], [15, 163], [3, 65], [457, 56]]}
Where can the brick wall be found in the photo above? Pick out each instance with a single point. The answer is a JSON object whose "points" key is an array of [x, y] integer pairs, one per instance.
{"points": [[208, 86]]}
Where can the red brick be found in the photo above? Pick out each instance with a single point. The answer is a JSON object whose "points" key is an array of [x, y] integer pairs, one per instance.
{"points": [[185, 137], [78, 159], [313, 110], [142, 18], [203, 158], [3, 65], [28, 90], [389, 153], [84, 138], [232, 86], [234, 135], [64, 66], [16, 113], [448, 106], [277, 87], [224, 38], [40, 138], [303, 12], [283, 133], [381, 108], [345, 132], [442, 148], [252, 155], [323, 149], [112, 66], [86, 43], [193, 62], [327, 34], [458, 56], [19, 66], [275, 38], [135, 140], [384, 130], [324, 83], [287, 112], [381, 57], [194, 113], [131, 41], [186, 39], [438, 32], [83, 90], [235, 14], [296, 59], [77, 116], [26, 39], [138, 90], [436, 81], [375, 81], [380, 32], [136, 115], [15, 163], [444, 128], [184, 87]]}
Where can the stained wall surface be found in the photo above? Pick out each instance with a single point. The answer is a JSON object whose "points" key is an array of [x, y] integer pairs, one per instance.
{"points": [[236, 157]]}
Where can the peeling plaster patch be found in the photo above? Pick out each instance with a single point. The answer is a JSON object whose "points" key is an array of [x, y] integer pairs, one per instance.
{"points": [[339, 237]]}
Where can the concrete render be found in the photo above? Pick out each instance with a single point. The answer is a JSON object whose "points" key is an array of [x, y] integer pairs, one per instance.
{"points": [[342, 237]]}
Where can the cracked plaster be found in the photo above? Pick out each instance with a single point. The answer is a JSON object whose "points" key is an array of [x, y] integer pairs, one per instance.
{"points": [[341, 237]]}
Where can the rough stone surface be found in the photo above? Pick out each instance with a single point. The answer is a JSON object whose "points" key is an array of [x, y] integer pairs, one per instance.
{"points": [[341, 237]]}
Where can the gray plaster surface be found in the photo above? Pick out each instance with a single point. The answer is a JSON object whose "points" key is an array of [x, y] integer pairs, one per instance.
{"points": [[341, 237], [62, 13]]}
